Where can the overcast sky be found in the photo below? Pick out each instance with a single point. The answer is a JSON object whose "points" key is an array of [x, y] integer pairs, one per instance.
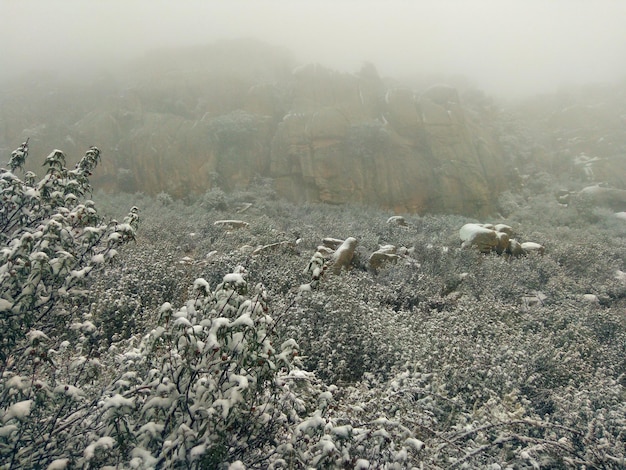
{"points": [[504, 46]]}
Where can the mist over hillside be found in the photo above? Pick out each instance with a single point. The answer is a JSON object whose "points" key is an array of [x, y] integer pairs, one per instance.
{"points": [[187, 120]]}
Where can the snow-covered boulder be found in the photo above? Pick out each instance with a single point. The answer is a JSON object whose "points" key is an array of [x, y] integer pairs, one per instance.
{"points": [[515, 248], [532, 247], [397, 220], [385, 254], [502, 242], [342, 257], [485, 239]]}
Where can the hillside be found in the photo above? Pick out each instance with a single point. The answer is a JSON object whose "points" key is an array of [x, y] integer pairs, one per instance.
{"points": [[234, 332], [184, 121], [283, 266]]}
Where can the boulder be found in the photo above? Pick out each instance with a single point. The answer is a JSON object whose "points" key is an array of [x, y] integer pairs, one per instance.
{"points": [[397, 220], [475, 235], [601, 196], [532, 247], [343, 255], [332, 243], [502, 242], [231, 224], [515, 248]]}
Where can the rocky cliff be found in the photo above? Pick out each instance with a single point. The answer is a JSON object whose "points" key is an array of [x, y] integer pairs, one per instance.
{"points": [[321, 135], [347, 138]]}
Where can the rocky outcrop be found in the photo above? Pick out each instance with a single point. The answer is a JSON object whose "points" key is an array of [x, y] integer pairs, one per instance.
{"points": [[498, 238], [220, 117], [348, 139]]}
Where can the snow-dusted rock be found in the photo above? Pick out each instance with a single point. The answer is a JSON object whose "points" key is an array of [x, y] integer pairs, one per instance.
{"points": [[397, 220], [503, 228], [515, 248], [332, 243], [532, 247], [231, 224], [385, 254], [536, 299], [342, 257], [591, 299], [485, 239], [273, 247], [502, 242]]}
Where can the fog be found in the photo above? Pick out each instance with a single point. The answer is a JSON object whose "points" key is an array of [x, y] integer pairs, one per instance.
{"points": [[506, 47]]}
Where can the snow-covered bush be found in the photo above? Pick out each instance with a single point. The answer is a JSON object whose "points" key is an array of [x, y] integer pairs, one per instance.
{"points": [[52, 240]]}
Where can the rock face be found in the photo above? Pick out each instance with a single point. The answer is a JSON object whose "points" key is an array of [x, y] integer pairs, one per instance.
{"points": [[221, 117], [348, 139]]}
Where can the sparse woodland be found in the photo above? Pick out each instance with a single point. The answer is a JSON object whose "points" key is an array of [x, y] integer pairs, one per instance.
{"points": [[164, 340]]}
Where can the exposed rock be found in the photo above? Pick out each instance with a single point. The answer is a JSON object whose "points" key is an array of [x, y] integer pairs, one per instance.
{"points": [[502, 242], [503, 228], [273, 247], [532, 247], [591, 299], [476, 235], [602, 196], [220, 118], [344, 254], [231, 224], [378, 259], [535, 299], [515, 248], [489, 237], [347, 140], [397, 220], [332, 243]]}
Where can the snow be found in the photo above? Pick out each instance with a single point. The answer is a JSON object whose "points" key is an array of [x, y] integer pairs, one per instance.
{"points": [[158, 402], [343, 432], [118, 401], [243, 320], [197, 451], [152, 428], [182, 321], [19, 410], [58, 464], [5, 305], [18, 382], [310, 425], [414, 443], [237, 465], [36, 335], [234, 278], [81, 273], [6, 431], [143, 459], [97, 259], [201, 284], [224, 405], [69, 390], [362, 464], [106, 442]]}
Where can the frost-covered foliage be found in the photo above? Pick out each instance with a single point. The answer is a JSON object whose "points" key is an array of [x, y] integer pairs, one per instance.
{"points": [[52, 242], [205, 346]]}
